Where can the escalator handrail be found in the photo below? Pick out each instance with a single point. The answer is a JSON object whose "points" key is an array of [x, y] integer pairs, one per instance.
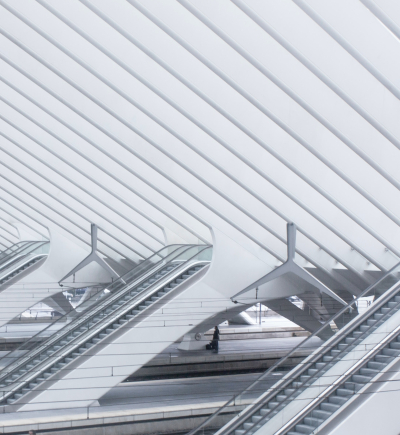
{"points": [[83, 317], [350, 327], [20, 251], [251, 409], [28, 260], [62, 318], [338, 382], [155, 287]]}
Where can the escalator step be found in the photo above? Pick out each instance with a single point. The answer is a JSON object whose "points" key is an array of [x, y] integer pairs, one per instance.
{"points": [[304, 428], [343, 392], [390, 352], [337, 400], [368, 371], [383, 358], [361, 379], [312, 421], [355, 386], [330, 407]]}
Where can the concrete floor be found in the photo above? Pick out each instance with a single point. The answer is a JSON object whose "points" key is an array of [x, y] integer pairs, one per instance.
{"points": [[276, 347], [183, 391], [204, 389]]}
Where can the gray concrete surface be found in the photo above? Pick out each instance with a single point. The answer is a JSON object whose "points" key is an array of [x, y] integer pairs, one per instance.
{"points": [[183, 391]]}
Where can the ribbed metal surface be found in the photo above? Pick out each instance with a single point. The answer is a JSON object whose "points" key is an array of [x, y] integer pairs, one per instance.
{"points": [[171, 117]]}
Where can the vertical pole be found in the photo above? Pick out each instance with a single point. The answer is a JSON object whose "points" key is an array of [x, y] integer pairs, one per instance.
{"points": [[260, 313]]}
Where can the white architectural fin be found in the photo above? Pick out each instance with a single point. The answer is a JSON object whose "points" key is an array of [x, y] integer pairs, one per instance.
{"points": [[93, 256], [291, 267]]}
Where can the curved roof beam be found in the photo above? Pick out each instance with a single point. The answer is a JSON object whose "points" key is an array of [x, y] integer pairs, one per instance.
{"points": [[88, 162], [364, 254], [17, 179], [10, 161], [112, 15], [373, 60], [9, 231], [57, 164], [385, 13], [149, 163], [322, 154], [114, 115], [19, 201], [108, 53], [259, 18]]}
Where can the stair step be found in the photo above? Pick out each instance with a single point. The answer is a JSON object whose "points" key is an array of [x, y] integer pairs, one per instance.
{"points": [[343, 392], [330, 407], [390, 352], [256, 418], [366, 371], [304, 428], [312, 421], [360, 379], [320, 413], [383, 359], [355, 386], [304, 378], [337, 400]]}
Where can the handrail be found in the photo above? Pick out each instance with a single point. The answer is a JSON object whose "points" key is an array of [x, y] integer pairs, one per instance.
{"points": [[89, 313], [332, 343], [338, 382], [28, 260], [248, 411], [93, 331], [65, 316], [20, 250]]}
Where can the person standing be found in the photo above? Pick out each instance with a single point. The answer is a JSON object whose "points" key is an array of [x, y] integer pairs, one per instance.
{"points": [[215, 339]]}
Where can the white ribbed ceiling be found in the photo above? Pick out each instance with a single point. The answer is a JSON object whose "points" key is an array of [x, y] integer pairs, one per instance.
{"points": [[150, 115]]}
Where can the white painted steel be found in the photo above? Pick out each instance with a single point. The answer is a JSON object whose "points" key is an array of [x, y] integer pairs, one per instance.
{"points": [[164, 121]]}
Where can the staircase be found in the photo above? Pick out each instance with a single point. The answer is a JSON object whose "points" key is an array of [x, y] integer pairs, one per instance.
{"points": [[92, 328]]}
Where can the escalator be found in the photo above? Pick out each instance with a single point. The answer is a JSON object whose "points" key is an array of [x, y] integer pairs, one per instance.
{"points": [[20, 257], [120, 304], [318, 388]]}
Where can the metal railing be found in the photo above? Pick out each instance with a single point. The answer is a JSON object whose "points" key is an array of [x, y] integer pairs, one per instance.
{"points": [[386, 283]]}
